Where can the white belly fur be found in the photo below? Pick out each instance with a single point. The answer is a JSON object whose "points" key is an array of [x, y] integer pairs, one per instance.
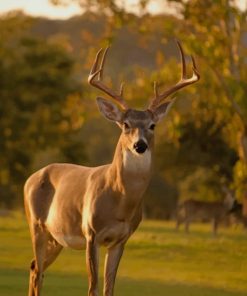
{"points": [[66, 240], [70, 241]]}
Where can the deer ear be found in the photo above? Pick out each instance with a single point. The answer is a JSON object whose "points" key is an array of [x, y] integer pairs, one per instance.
{"points": [[109, 110], [161, 111]]}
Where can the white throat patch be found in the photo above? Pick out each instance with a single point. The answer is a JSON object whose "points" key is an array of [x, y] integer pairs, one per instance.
{"points": [[136, 162]]}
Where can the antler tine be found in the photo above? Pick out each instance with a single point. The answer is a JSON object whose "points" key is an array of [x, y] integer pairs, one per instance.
{"points": [[155, 89], [93, 71], [158, 98], [97, 71], [195, 70], [183, 72], [121, 89], [102, 64]]}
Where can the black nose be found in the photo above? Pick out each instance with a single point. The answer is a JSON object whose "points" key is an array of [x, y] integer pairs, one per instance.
{"points": [[140, 146]]}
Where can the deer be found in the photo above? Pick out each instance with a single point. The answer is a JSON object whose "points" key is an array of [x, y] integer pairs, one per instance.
{"points": [[214, 211], [69, 205], [237, 213]]}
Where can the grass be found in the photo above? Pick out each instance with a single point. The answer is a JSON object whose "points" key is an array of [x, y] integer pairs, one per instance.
{"points": [[157, 262]]}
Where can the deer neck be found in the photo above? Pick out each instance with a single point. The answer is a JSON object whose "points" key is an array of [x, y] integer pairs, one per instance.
{"points": [[131, 171]]}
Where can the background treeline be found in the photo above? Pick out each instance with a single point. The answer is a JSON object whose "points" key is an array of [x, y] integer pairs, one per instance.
{"points": [[48, 111]]}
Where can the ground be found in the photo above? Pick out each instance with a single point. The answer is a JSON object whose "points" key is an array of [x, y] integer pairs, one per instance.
{"points": [[158, 261]]}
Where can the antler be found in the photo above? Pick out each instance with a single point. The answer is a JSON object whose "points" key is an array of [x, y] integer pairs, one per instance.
{"points": [[97, 72], [156, 101]]}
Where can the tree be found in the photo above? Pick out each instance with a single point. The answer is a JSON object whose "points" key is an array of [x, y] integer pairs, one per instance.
{"points": [[39, 95], [215, 31], [203, 137]]}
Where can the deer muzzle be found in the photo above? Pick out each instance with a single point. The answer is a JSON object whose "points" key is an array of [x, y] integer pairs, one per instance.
{"points": [[140, 146]]}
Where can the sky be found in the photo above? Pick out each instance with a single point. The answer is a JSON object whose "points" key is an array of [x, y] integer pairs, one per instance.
{"points": [[44, 8], [40, 8]]}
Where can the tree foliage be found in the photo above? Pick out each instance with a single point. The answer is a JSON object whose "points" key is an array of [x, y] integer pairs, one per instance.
{"points": [[216, 32], [36, 87], [202, 144]]}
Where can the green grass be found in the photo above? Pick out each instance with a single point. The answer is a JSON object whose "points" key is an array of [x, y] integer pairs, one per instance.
{"points": [[157, 262]]}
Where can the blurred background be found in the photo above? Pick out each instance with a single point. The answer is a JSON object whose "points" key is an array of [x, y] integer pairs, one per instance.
{"points": [[48, 111], [48, 114]]}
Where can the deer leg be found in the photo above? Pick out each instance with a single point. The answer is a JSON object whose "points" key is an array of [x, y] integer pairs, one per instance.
{"points": [[53, 250], [92, 261], [187, 225], [215, 226], [112, 260], [31, 278], [177, 224], [179, 221], [40, 239]]}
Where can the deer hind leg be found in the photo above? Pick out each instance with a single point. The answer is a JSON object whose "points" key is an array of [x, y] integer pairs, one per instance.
{"points": [[187, 225], [179, 221], [46, 250], [215, 226], [39, 240]]}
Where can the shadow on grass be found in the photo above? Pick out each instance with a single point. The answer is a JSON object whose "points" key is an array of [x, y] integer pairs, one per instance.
{"points": [[15, 283]]}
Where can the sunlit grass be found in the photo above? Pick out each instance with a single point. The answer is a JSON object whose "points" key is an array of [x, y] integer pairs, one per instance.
{"points": [[157, 261]]}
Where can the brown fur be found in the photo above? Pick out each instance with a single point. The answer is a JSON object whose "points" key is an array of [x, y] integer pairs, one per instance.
{"points": [[92, 206]]}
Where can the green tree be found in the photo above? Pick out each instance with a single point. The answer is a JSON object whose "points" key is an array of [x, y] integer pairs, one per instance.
{"points": [[40, 107], [215, 31], [214, 110]]}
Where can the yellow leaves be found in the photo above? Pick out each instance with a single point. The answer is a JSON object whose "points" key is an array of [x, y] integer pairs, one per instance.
{"points": [[217, 51], [241, 170], [61, 40], [175, 118], [64, 126], [87, 37], [45, 113], [7, 132], [4, 176], [240, 178], [140, 81], [18, 166], [195, 185], [74, 109], [160, 60], [173, 130]]}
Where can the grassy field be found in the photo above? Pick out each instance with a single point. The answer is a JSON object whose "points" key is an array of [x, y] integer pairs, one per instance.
{"points": [[157, 262]]}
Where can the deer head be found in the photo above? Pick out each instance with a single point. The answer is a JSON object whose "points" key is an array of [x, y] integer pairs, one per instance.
{"points": [[137, 126]]}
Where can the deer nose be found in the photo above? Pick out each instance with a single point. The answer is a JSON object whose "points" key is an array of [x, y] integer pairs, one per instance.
{"points": [[140, 146]]}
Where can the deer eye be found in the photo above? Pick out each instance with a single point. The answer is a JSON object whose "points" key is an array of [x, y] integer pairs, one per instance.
{"points": [[152, 127], [126, 126]]}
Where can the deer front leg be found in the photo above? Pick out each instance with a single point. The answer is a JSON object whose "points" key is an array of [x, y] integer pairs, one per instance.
{"points": [[215, 226], [92, 259], [112, 260]]}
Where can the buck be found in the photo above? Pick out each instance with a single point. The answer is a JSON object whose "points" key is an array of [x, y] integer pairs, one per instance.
{"points": [[81, 207]]}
